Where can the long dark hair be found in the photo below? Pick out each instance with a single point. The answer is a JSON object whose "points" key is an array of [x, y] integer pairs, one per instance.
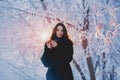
{"points": [[65, 34]]}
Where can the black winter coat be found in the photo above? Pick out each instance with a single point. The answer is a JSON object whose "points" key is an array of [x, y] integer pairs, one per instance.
{"points": [[57, 60]]}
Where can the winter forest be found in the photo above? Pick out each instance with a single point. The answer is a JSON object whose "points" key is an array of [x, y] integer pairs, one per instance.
{"points": [[93, 26]]}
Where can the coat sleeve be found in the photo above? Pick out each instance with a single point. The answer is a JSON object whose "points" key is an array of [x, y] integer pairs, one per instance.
{"points": [[48, 57]]}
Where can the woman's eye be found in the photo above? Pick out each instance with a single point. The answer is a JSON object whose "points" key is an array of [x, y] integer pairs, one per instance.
{"points": [[57, 29]]}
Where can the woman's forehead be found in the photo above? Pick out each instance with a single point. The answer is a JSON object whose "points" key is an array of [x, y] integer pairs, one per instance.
{"points": [[60, 27]]}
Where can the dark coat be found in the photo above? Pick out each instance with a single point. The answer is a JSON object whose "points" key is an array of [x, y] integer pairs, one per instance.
{"points": [[57, 60]]}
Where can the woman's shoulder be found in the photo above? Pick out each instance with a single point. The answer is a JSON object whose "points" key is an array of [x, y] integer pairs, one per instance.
{"points": [[69, 42]]}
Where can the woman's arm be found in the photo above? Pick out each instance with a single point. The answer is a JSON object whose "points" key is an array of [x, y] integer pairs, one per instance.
{"points": [[48, 57]]}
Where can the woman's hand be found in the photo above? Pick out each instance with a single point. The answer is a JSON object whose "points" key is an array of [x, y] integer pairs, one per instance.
{"points": [[54, 44], [51, 44]]}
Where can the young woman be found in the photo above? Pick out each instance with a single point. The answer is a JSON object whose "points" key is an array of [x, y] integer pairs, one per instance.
{"points": [[58, 53]]}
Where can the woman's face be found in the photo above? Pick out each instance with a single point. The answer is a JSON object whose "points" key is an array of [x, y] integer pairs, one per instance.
{"points": [[59, 32]]}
